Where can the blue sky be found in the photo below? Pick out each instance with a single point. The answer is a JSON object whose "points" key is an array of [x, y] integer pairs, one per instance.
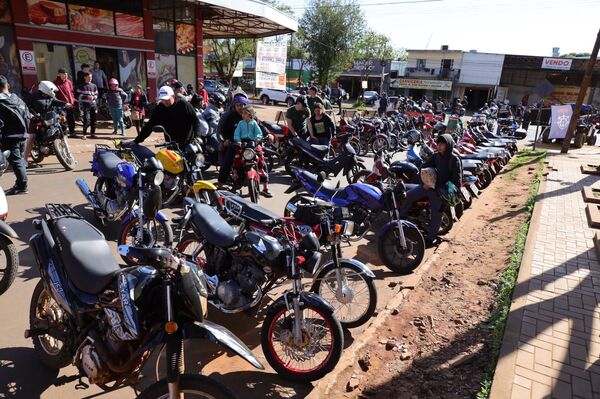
{"points": [[530, 27]]}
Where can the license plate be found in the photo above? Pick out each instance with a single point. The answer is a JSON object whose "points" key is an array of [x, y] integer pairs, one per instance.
{"points": [[127, 113], [474, 190], [453, 213], [465, 193]]}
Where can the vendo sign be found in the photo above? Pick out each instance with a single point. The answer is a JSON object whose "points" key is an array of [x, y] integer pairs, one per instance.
{"points": [[563, 64]]}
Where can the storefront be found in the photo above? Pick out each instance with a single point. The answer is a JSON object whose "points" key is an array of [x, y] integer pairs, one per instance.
{"points": [[145, 42], [417, 88]]}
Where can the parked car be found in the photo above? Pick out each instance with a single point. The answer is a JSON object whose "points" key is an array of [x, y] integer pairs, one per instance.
{"points": [[212, 86], [370, 97], [277, 96]]}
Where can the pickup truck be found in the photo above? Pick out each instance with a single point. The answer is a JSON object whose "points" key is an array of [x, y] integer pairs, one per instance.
{"points": [[277, 96]]}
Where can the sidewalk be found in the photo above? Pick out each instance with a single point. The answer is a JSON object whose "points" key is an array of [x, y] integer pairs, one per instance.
{"points": [[551, 346]]}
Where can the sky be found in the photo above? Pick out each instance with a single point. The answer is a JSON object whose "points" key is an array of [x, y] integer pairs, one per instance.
{"points": [[526, 27]]}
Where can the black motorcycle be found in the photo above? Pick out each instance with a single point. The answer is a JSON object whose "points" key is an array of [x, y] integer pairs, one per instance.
{"points": [[105, 320], [8, 250], [315, 158], [50, 139]]}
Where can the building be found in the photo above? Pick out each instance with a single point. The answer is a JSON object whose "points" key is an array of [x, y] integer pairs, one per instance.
{"points": [[376, 73], [479, 77], [145, 42]]}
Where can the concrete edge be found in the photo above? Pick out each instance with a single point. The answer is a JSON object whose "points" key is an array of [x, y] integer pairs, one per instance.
{"points": [[593, 215], [504, 373], [589, 169], [588, 195]]}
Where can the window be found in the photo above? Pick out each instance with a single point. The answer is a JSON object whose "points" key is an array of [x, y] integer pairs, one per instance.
{"points": [[447, 64], [420, 64]]}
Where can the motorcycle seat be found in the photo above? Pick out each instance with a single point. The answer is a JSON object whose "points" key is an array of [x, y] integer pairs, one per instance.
{"points": [[319, 149], [212, 226], [327, 189], [141, 152], [107, 163], [86, 256], [252, 211], [275, 128], [154, 257]]}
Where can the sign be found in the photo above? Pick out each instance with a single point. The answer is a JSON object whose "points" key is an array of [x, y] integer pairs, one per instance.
{"points": [[364, 65], [561, 116], [151, 67], [270, 64], [564, 95], [83, 55], [239, 70], [28, 62], [364, 84], [424, 84], [501, 93], [564, 64]]}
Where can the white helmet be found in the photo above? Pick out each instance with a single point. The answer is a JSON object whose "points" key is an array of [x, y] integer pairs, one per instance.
{"points": [[48, 88], [429, 177]]}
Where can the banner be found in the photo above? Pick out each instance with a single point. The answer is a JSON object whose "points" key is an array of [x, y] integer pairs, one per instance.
{"points": [[563, 64], [185, 39], [129, 25], [239, 70], [89, 19], [83, 55], [47, 13], [561, 116], [425, 84], [270, 64]]}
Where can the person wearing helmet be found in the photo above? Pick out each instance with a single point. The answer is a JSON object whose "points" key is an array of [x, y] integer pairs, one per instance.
{"points": [[180, 92], [439, 128], [138, 104], [225, 130], [448, 170], [298, 116], [66, 93], [115, 96]]}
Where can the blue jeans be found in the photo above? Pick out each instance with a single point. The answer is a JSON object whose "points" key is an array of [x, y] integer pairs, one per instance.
{"points": [[435, 206], [16, 161], [116, 114], [88, 116]]}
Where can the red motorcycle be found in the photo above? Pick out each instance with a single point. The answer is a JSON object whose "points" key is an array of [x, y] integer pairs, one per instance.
{"points": [[248, 168]]}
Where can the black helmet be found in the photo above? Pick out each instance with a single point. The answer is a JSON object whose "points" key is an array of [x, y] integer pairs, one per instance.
{"points": [[440, 127], [217, 99]]}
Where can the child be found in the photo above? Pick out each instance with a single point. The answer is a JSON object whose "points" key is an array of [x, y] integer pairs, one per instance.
{"points": [[114, 98], [248, 129]]}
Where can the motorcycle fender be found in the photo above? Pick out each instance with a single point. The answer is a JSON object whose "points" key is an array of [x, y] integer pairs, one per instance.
{"points": [[393, 224], [295, 186], [222, 336], [204, 185], [161, 216], [306, 298], [6, 230], [136, 213], [363, 268], [252, 175]]}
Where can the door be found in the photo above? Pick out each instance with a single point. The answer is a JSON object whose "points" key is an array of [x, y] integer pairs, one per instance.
{"points": [[108, 62]]}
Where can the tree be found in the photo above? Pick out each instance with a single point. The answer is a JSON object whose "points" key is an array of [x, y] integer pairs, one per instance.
{"points": [[372, 47], [330, 30], [227, 53], [297, 51], [575, 55]]}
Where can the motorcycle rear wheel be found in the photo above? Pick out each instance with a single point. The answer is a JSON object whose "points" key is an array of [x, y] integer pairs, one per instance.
{"points": [[63, 153], [128, 236], [353, 171], [361, 177], [8, 274], [398, 261], [297, 199], [193, 386]]}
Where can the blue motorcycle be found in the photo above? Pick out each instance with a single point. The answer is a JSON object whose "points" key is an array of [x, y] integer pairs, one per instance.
{"points": [[400, 244], [129, 194]]}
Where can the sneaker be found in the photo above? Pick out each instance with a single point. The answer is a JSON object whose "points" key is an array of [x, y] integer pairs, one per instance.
{"points": [[266, 193], [16, 190], [93, 136], [115, 133]]}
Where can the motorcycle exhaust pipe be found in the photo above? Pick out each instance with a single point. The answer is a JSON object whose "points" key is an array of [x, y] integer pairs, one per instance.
{"points": [[87, 193]]}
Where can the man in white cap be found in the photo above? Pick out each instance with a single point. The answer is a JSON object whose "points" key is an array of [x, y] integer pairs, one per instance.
{"points": [[178, 117]]}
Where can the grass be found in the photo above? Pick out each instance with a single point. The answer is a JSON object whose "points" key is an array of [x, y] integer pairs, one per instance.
{"points": [[508, 278]]}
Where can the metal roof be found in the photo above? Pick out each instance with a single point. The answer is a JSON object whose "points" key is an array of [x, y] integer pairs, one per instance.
{"points": [[243, 19]]}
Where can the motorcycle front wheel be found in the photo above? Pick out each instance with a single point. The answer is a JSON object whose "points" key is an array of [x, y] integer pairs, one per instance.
{"points": [[191, 386], [8, 268], [356, 169], [36, 155], [63, 153], [298, 199], [253, 190], [314, 357], [157, 233], [395, 258]]}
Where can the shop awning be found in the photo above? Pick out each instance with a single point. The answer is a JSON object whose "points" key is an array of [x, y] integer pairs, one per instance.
{"points": [[243, 19]]}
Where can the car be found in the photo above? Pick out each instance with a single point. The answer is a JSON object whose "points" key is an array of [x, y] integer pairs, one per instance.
{"points": [[370, 97], [212, 86], [277, 96]]}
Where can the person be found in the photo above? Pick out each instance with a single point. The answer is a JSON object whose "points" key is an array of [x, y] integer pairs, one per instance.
{"points": [[465, 102], [322, 127], [87, 96], [180, 92], [327, 91], [99, 79], [85, 68], [114, 99], [341, 94], [326, 101], [313, 98], [138, 105], [178, 117], [297, 117], [383, 104], [66, 93], [439, 106], [203, 93], [15, 118], [248, 129], [448, 168], [225, 130]]}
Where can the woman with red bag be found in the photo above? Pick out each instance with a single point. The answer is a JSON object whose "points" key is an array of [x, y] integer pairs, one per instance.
{"points": [[138, 108]]}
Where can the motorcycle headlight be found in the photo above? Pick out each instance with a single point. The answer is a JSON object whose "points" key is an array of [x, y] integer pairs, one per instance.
{"points": [[159, 176], [249, 154], [200, 160]]}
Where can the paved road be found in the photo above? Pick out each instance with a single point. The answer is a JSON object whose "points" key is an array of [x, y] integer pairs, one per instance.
{"points": [[23, 376]]}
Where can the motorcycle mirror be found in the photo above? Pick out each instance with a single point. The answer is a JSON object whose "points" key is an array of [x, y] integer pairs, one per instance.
{"points": [[159, 129], [322, 177]]}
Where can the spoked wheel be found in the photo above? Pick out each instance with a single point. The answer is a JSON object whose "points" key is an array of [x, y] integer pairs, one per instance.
{"points": [[311, 357], [298, 199], [191, 386], [45, 312], [253, 190], [484, 180], [356, 146], [353, 171], [64, 154], [36, 154], [156, 233], [354, 299], [193, 248], [361, 176], [9, 262], [396, 258], [379, 143]]}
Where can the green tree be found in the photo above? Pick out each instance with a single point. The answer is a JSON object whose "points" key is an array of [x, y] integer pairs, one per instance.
{"points": [[372, 48], [330, 30], [297, 51], [226, 53], [574, 55]]}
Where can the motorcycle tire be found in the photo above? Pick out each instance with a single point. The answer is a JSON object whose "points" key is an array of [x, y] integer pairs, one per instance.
{"points": [[355, 146], [296, 200], [61, 357], [579, 140], [128, 228], [352, 172], [388, 245], [361, 176], [364, 148], [592, 139], [281, 366], [253, 190], [8, 274], [64, 154], [348, 269], [127, 122], [379, 143], [36, 155], [393, 139], [447, 222], [292, 159], [197, 385], [467, 204], [484, 180]]}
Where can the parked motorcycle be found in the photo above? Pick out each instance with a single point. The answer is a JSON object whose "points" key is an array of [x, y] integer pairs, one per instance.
{"points": [[300, 337], [247, 167], [8, 271], [131, 194], [50, 139], [105, 320]]}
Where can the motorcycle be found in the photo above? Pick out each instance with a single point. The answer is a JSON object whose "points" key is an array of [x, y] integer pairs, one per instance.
{"points": [[247, 168], [7, 234], [131, 194], [50, 139], [400, 244], [300, 337], [87, 311]]}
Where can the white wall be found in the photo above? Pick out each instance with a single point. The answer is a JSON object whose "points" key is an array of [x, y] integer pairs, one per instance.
{"points": [[481, 69], [433, 59]]}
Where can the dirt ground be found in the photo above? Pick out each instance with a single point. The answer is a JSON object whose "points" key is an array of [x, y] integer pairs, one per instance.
{"points": [[437, 343]]}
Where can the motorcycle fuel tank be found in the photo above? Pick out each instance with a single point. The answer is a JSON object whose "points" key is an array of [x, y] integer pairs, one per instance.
{"points": [[172, 161], [365, 195]]}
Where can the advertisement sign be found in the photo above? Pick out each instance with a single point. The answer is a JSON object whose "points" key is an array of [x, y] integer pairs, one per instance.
{"points": [[165, 69], [270, 64], [185, 39], [424, 84], [364, 84], [132, 70], [561, 116], [28, 62], [129, 25], [83, 55], [89, 19], [47, 13], [239, 70], [563, 64], [501, 93], [564, 95], [151, 66]]}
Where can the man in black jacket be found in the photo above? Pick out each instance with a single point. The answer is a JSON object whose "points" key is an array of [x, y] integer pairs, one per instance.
{"points": [[178, 117], [15, 117], [449, 169], [225, 130]]}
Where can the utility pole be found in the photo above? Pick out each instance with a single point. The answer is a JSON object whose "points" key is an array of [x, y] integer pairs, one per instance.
{"points": [[585, 83]]}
